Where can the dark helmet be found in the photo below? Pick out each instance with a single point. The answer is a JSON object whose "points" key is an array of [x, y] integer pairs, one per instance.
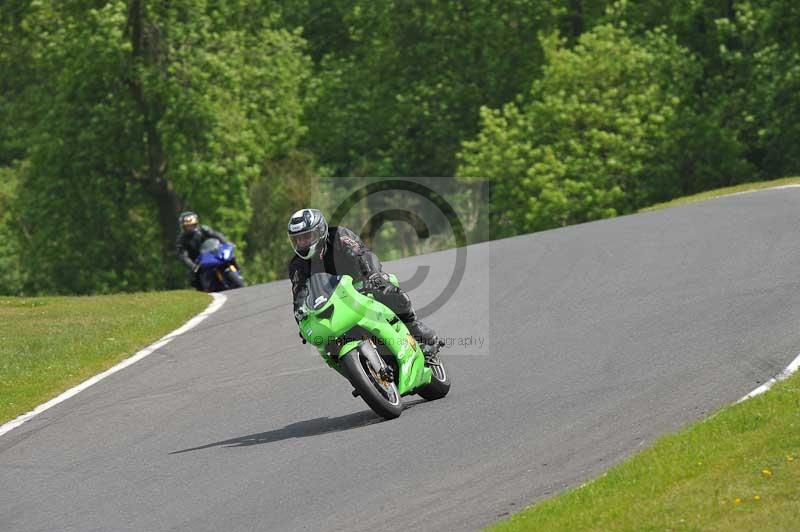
{"points": [[307, 230], [188, 221]]}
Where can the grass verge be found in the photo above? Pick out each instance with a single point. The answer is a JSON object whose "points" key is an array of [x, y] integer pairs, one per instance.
{"points": [[738, 470], [49, 344], [744, 187]]}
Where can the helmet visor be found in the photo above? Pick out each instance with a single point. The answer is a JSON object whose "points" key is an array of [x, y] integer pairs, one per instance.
{"points": [[189, 222], [304, 242]]}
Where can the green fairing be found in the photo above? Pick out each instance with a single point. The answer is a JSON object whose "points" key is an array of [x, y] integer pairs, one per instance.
{"points": [[353, 309]]}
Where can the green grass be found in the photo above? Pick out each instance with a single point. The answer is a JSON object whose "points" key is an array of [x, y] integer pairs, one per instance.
{"points": [[737, 470], [723, 191], [49, 344]]}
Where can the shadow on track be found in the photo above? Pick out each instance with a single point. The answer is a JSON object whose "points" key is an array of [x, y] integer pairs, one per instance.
{"points": [[301, 429]]}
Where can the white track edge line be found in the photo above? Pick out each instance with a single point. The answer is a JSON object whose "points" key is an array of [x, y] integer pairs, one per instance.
{"points": [[219, 300], [791, 368]]}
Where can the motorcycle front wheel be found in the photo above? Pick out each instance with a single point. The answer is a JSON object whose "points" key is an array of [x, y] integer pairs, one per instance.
{"points": [[380, 394], [233, 279]]}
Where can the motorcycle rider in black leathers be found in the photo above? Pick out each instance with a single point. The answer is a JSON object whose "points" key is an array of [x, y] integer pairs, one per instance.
{"points": [[338, 251], [189, 242]]}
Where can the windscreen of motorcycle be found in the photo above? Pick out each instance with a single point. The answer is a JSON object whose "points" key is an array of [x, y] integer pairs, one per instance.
{"points": [[210, 245], [320, 288]]}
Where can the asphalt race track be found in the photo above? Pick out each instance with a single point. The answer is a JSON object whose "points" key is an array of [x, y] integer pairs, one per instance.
{"points": [[571, 349]]}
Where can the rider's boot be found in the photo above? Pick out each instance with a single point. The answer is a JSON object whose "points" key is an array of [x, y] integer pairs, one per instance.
{"points": [[421, 332], [397, 300], [424, 335]]}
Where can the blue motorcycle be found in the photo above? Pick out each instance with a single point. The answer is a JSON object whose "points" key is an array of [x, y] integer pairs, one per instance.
{"points": [[217, 268]]}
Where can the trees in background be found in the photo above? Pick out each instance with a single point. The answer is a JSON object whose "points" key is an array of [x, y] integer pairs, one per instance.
{"points": [[748, 50], [597, 135], [658, 100], [396, 96], [12, 274], [117, 114], [139, 110]]}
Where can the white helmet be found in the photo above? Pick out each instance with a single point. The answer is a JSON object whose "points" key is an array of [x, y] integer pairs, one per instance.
{"points": [[307, 229]]}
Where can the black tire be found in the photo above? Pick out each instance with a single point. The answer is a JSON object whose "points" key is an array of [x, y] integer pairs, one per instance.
{"points": [[440, 382], [233, 279], [383, 400]]}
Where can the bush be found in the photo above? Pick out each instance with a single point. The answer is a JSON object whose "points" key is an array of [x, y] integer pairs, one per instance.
{"points": [[598, 135]]}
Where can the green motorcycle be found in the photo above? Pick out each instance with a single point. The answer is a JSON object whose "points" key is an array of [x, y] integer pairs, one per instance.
{"points": [[367, 343]]}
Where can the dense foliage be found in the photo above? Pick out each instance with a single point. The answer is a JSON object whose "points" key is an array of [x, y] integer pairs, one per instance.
{"points": [[598, 134], [115, 115], [637, 112], [139, 110]]}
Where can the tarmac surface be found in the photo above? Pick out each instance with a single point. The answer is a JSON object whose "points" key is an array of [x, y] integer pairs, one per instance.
{"points": [[569, 350]]}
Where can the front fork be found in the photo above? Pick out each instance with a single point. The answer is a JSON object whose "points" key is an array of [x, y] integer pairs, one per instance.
{"points": [[221, 272], [412, 372]]}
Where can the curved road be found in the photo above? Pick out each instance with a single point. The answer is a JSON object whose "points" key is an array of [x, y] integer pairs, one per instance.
{"points": [[597, 338]]}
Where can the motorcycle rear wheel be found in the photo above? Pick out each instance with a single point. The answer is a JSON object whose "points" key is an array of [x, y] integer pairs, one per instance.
{"points": [[440, 381]]}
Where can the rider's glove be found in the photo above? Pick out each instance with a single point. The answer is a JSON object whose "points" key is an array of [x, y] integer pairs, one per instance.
{"points": [[378, 282]]}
